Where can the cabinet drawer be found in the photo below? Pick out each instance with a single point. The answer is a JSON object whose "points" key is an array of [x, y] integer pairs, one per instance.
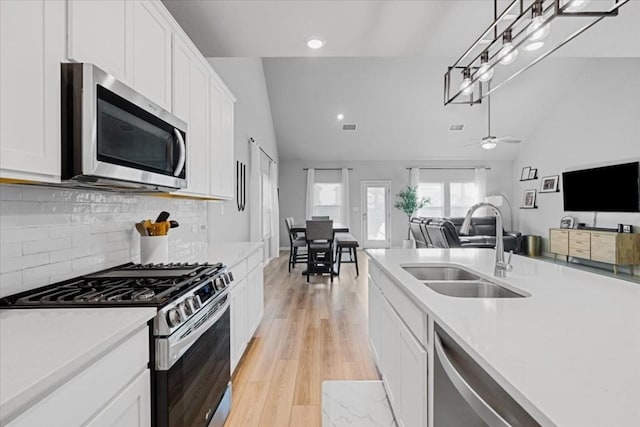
{"points": [[580, 244], [239, 270], [606, 240], [579, 235], [411, 314], [93, 387], [374, 273], [580, 253]]}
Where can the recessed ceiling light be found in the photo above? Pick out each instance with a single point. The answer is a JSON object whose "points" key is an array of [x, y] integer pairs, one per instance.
{"points": [[340, 116], [315, 42]]}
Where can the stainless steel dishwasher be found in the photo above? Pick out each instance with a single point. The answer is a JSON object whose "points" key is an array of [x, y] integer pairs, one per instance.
{"points": [[466, 396]]}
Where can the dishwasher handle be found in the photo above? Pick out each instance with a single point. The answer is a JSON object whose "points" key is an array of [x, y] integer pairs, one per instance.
{"points": [[475, 401]]}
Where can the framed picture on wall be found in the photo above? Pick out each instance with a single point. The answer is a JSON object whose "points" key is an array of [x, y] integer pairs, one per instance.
{"points": [[525, 173], [533, 173], [529, 200], [549, 184]]}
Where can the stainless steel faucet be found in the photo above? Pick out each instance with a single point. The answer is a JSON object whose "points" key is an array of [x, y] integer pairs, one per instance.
{"points": [[501, 266]]}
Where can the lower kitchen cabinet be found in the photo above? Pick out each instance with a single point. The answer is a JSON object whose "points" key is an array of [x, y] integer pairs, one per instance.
{"points": [[114, 390], [247, 303], [130, 408], [401, 358]]}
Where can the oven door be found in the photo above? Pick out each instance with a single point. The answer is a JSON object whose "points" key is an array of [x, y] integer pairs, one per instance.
{"points": [[193, 371]]}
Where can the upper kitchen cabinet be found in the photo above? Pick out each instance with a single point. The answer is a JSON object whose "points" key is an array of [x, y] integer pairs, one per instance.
{"points": [[191, 103], [32, 45], [129, 39], [98, 33], [222, 140]]}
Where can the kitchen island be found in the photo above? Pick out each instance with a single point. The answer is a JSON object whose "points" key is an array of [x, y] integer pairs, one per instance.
{"points": [[568, 352]]}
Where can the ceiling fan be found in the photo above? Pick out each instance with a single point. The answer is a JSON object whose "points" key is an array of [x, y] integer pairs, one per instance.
{"points": [[490, 142]]}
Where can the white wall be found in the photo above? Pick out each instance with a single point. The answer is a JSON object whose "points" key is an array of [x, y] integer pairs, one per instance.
{"points": [[293, 187], [594, 120], [245, 78], [51, 234]]}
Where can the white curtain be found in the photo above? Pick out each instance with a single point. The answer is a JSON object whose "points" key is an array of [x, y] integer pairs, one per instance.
{"points": [[255, 196], [346, 207], [311, 179], [275, 212], [414, 177], [480, 180]]}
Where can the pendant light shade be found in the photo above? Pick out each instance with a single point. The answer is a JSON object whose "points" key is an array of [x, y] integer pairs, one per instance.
{"points": [[484, 71], [537, 30], [508, 54], [466, 86]]}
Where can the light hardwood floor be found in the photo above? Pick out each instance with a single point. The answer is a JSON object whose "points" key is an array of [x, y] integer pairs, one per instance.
{"points": [[311, 332]]}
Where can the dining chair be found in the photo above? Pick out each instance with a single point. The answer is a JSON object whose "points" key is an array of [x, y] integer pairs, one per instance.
{"points": [[296, 242], [319, 236]]}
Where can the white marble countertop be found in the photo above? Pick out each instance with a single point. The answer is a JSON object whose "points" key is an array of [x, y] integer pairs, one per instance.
{"points": [[42, 348], [230, 253], [569, 353]]}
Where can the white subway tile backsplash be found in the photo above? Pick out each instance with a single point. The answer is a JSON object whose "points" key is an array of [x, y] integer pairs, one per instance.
{"points": [[50, 234]]}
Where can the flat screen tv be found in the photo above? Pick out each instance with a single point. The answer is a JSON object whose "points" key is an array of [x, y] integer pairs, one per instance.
{"points": [[605, 189]]}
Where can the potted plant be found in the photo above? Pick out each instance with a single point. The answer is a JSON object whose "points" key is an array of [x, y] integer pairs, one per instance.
{"points": [[408, 202]]}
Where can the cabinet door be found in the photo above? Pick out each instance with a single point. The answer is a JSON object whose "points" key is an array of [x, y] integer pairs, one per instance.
{"points": [[413, 380], [375, 322], [32, 45], [559, 242], [222, 142], [238, 321], [98, 34], [198, 131], [255, 299], [151, 52], [130, 408], [389, 356]]}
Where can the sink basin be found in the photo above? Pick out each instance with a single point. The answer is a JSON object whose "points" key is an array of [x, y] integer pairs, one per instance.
{"points": [[472, 289], [440, 273]]}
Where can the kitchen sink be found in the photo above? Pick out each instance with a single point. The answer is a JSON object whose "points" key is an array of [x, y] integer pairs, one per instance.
{"points": [[440, 273], [472, 289]]}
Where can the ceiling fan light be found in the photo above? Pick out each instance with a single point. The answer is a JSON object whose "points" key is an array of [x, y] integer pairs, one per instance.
{"points": [[576, 5], [489, 145]]}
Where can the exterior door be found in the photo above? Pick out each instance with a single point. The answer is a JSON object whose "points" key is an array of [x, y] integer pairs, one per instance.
{"points": [[376, 214]]}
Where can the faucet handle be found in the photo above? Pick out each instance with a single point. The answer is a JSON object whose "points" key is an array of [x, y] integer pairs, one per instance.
{"points": [[508, 265]]}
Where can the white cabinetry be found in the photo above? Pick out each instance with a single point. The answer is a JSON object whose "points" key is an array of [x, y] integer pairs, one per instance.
{"points": [[222, 123], [98, 33], [150, 43], [129, 408], [247, 303], [113, 391], [129, 39], [32, 45], [401, 358]]}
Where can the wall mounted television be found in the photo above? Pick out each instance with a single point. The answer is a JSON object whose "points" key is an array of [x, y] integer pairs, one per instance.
{"points": [[613, 188]]}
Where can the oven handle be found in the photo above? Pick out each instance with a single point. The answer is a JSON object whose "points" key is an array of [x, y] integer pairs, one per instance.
{"points": [[168, 353], [183, 153]]}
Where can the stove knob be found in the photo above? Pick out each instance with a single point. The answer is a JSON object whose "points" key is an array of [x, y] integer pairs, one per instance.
{"points": [[186, 308], [191, 303], [173, 317], [230, 277]]}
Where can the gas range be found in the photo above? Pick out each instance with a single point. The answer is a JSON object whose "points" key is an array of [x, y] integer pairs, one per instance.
{"points": [[178, 290]]}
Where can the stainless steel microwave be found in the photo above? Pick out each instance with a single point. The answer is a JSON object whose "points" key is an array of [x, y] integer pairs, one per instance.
{"points": [[114, 137]]}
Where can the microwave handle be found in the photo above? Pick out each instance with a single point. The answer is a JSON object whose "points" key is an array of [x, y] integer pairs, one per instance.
{"points": [[183, 153]]}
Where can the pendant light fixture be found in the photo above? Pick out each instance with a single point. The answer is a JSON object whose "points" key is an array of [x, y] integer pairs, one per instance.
{"points": [[520, 24], [508, 53], [466, 86], [537, 30], [485, 72]]}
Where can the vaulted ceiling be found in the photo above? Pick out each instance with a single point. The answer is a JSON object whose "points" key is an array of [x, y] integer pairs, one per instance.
{"points": [[383, 66]]}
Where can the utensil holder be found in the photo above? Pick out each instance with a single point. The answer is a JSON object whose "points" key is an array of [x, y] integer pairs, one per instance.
{"points": [[154, 249]]}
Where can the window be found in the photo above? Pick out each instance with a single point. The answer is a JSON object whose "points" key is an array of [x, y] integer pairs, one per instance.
{"points": [[434, 191], [327, 200], [448, 199]]}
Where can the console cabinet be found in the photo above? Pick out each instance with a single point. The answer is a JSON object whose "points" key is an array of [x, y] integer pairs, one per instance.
{"points": [[601, 246]]}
